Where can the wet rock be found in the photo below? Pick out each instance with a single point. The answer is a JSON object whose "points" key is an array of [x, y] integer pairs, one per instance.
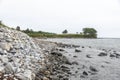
{"points": [[90, 47], [68, 62], [56, 53], [65, 78], [88, 56], [76, 71], [83, 47], [112, 55], [61, 50], [1, 53], [92, 73], [75, 56], [117, 54], [60, 76], [66, 70], [85, 73], [102, 54], [93, 69], [77, 50], [75, 63], [67, 45], [64, 67], [107, 62], [75, 46], [82, 76]]}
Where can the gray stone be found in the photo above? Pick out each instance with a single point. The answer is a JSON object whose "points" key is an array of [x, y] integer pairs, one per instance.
{"points": [[85, 73], [4, 58], [77, 50], [102, 54], [88, 56], [5, 46], [2, 69], [27, 75], [93, 69], [112, 55], [9, 68], [9, 40]]}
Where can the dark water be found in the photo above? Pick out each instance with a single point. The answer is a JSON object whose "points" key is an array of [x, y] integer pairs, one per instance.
{"points": [[96, 43]]}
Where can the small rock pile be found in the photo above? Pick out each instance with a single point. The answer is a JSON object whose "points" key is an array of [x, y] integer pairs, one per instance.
{"points": [[20, 57]]}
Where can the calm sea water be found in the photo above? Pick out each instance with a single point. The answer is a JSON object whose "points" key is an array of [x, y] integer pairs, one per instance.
{"points": [[96, 43], [110, 71]]}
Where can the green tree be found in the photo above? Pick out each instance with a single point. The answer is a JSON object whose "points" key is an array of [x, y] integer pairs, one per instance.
{"points": [[90, 33], [18, 28], [27, 30], [65, 31], [31, 30], [81, 33]]}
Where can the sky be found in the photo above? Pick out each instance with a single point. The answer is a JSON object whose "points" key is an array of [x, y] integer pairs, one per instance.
{"points": [[58, 15]]}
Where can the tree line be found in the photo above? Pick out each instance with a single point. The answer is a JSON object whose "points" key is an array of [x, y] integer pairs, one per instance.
{"points": [[86, 33]]}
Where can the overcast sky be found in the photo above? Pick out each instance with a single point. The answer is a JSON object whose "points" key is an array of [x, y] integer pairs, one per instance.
{"points": [[57, 15]]}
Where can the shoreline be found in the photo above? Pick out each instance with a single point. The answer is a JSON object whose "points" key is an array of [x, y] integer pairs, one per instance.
{"points": [[26, 58], [73, 62], [56, 61]]}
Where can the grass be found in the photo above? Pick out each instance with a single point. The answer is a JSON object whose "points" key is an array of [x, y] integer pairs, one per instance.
{"points": [[40, 35]]}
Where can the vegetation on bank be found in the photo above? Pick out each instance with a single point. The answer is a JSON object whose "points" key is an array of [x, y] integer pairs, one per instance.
{"points": [[55, 35], [86, 33]]}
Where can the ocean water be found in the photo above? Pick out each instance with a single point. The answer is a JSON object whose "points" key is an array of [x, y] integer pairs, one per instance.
{"points": [[96, 43], [107, 68]]}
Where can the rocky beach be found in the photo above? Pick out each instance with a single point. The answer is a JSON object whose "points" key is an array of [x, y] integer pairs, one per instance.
{"points": [[26, 58], [20, 57], [75, 62]]}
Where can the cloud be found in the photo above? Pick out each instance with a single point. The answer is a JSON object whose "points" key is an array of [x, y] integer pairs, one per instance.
{"points": [[54, 15]]}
